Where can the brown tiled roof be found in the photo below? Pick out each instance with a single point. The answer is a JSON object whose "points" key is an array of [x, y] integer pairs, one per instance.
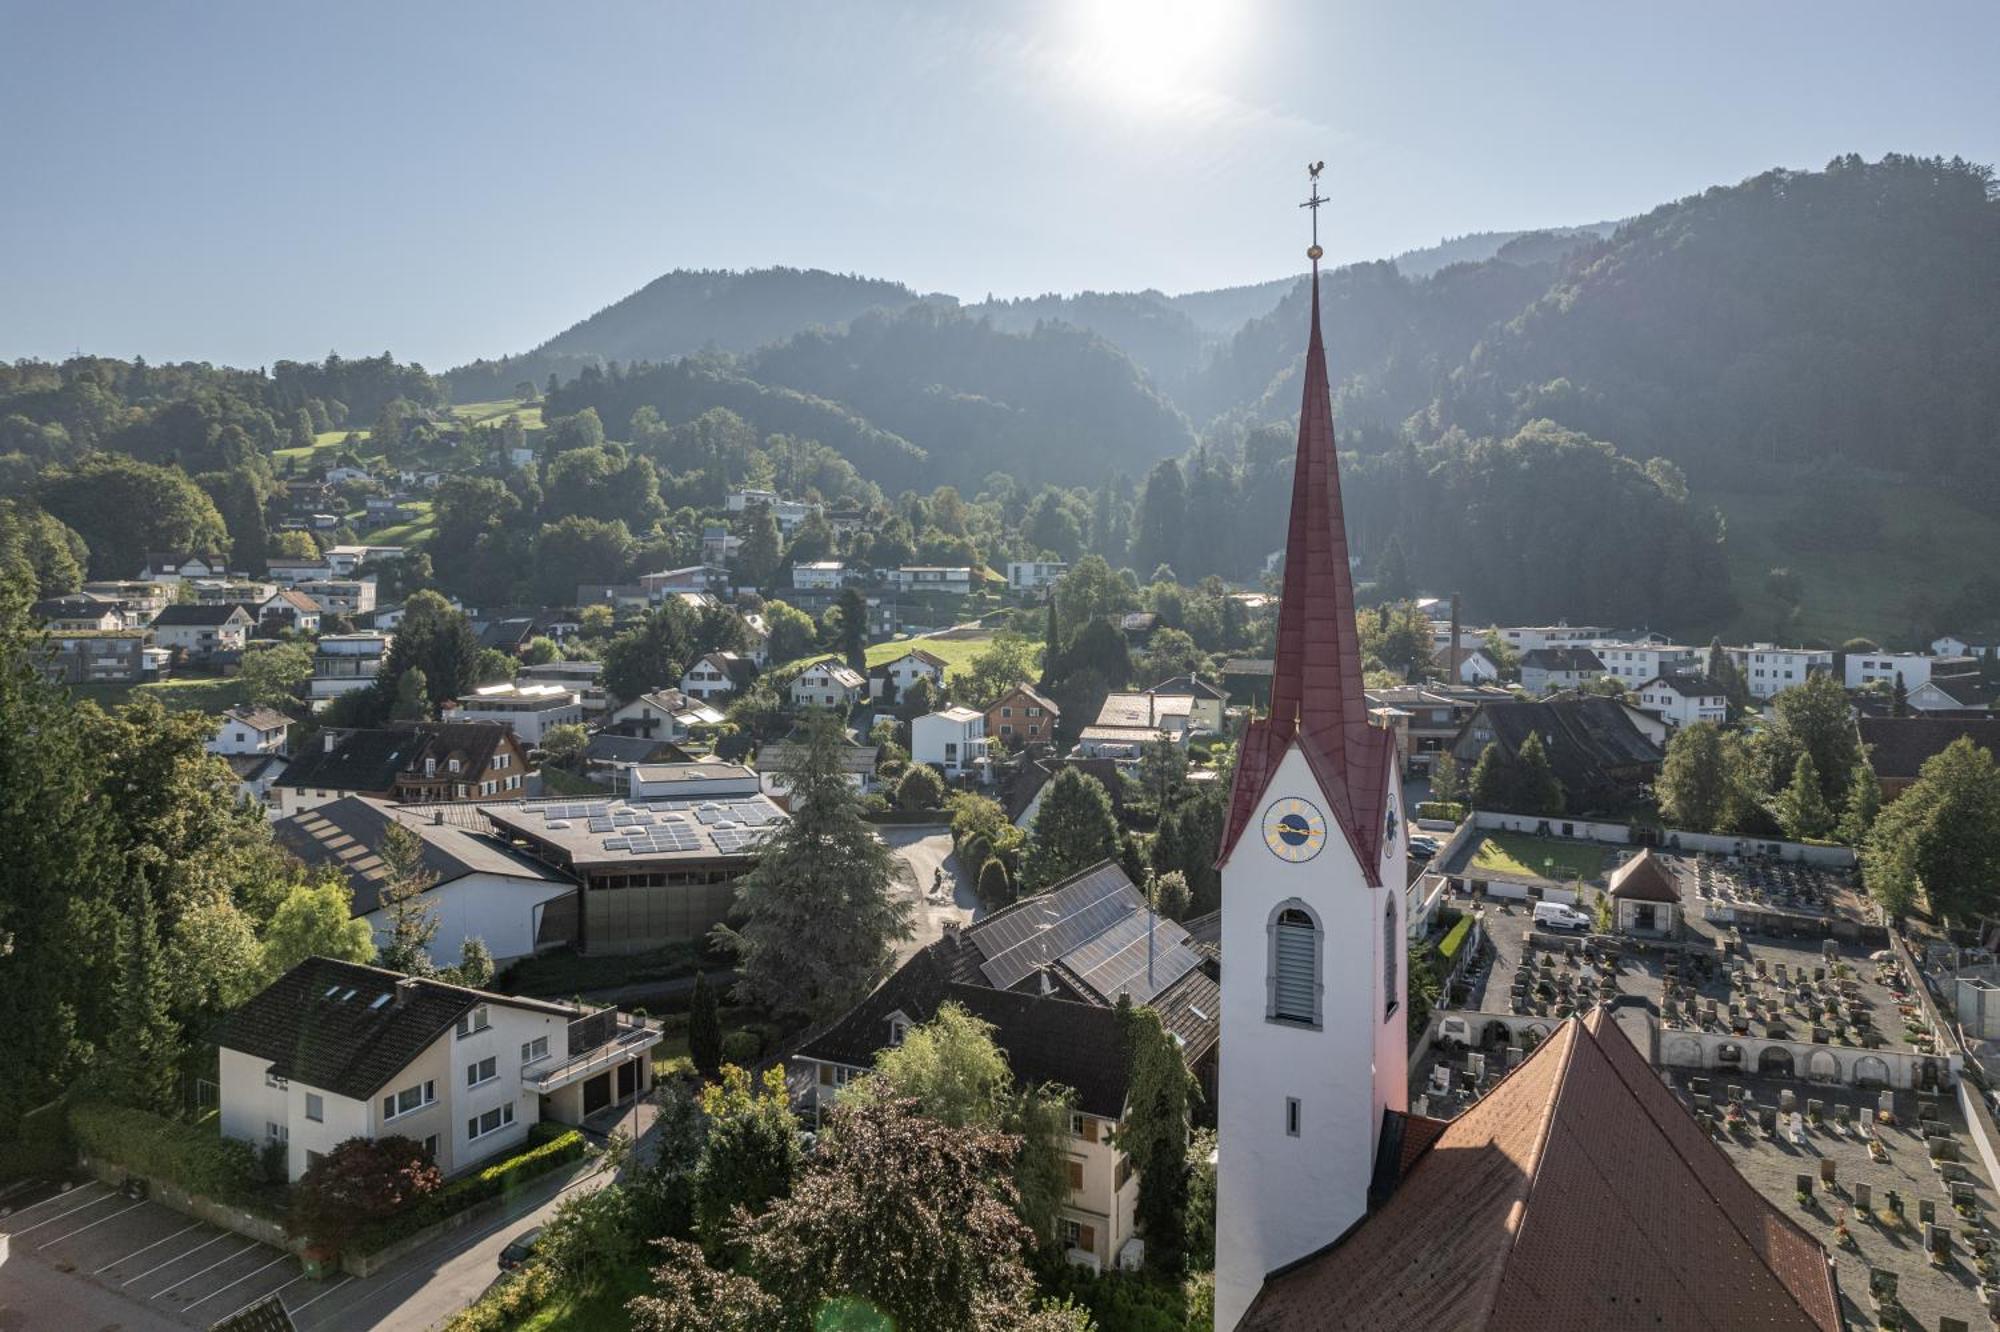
{"points": [[1898, 746], [1644, 879], [1578, 1195]]}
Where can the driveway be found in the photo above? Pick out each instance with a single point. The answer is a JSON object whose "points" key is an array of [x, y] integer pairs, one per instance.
{"points": [[922, 851]]}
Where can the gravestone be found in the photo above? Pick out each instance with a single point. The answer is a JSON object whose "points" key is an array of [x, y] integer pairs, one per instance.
{"points": [[1937, 1239], [1882, 1287], [1805, 1185], [1926, 1211], [1738, 1095], [1840, 1116], [1948, 1324], [1767, 1119], [1788, 1100], [1863, 1195], [1421, 1107], [1830, 950], [1703, 1105], [1815, 1111], [1885, 1106], [1895, 1201], [1943, 1149], [1829, 1171], [1475, 1064], [1798, 1127], [1699, 1086], [1926, 1109]]}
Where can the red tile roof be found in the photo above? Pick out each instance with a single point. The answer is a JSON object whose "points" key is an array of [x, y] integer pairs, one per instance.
{"points": [[1316, 692], [1577, 1194]]}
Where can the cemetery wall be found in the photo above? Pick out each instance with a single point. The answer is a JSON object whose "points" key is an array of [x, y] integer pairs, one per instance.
{"points": [[1837, 1065], [1985, 1137], [1620, 834]]}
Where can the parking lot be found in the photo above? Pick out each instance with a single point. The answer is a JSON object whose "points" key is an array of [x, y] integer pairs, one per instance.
{"points": [[184, 1270]]}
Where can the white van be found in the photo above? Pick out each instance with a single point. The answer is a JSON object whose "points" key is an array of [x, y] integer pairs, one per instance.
{"points": [[1555, 916]]}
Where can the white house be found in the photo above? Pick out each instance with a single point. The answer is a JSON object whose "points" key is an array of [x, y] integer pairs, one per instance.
{"points": [[1032, 575], [931, 578], [819, 575], [1950, 645], [1526, 637], [174, 567], [790, 513], [585, 678], [1544, 670], [827, 683], [953, 741], [1634, 663], [717, 675], [664, 714], [1204, 706], [343, 663], [481, 888], [1915, 668], [202, 631], [1681, 699], [1769, 670], [341, 596], [1476, 666], [529, 710], [291, 570], [250, 730], [892, 679], [334, 1050]]}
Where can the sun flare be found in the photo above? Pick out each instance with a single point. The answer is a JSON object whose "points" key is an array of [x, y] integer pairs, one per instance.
{"points": [[1151, 53]]}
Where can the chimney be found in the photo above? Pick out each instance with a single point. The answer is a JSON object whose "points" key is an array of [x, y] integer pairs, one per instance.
{"points": [[406, 990], [1451, 652], [330, 738]]}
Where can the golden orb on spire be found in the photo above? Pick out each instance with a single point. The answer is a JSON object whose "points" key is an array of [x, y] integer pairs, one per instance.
{"points": [[1313, 252]]}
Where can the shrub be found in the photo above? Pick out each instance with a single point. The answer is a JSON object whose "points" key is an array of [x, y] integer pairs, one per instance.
{"points": [[199, 1160], [920, 788], [995, 888], [43, 1146], [507, 1302], [741, 1046], [549, 1146], [360, 1182], [1441, 809], [1453, 941], [1125, 1301]]}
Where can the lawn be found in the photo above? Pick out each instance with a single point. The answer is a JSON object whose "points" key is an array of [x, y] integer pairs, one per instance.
{"points": [[406, 533], [193, 694], [1527, 856], [956, 653], [493, 413], [599, 1309]]}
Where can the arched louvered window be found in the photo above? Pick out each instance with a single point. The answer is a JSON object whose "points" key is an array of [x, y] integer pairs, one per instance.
{"points": [[1391, 953], [1295, 960]]}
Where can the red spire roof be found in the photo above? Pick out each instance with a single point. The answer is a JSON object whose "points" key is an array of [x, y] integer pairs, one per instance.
{"points": [[1316, 694]]}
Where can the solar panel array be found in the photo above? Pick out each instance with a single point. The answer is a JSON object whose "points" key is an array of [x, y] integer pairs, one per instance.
{"points": [[1019, 942], [659, 828], [1114, 962], [587, 810], [656, 840]]}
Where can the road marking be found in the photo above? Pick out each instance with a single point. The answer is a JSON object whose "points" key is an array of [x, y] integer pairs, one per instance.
{"points": [[60, 1215], [64, 1195], [239, 1281], [93, 1225], [220, 1235], [344, 1279], [136, 1252], [204, 1271]]}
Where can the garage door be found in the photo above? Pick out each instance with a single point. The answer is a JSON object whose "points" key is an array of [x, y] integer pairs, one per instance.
{"points": [[597, 1093]]}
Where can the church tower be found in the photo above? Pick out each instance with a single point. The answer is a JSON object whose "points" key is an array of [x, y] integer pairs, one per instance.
{"points": [[1314, 1045]]}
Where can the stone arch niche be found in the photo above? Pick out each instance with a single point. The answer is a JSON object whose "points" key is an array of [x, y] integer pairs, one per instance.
{"points": [[1496, 1033], [1776, 1061], [1871, 1071], [1823, 1066], [1729, 1055]]}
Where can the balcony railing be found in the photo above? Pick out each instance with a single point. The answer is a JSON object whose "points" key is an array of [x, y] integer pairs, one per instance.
{"points": [[629, 1037]]}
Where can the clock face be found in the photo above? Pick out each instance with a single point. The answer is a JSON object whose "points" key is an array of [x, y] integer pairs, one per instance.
{"points": [[1294, 830]]}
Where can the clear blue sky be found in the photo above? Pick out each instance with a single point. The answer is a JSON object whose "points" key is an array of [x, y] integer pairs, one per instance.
{"points": [[241, 182]]}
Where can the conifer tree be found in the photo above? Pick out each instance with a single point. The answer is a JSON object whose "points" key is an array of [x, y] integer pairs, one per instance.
{"points": [[412, 922], [819, 921], [1493, 785], [704, 1028], [1864, 802], [145, 1041], [1802, 810], [1074, 829], [1539, 791]]}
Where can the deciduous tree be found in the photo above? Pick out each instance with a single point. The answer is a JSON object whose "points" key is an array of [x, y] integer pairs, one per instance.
{"points": [[1074, 829]]}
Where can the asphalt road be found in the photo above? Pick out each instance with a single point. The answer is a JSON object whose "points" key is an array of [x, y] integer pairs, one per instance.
{"points": [[922, 850]]}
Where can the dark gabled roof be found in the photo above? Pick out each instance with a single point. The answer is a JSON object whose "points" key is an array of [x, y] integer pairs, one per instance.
{"points": [[1578, 1193], [1566, 659], [507, 635], [1968, 691], [348, 834], [196, 614], [1032, 694], [319, 1024], [1048, 1039], [1187, 684], [607, 747], [1898, 746], [735, 665], [1644, 878], [1586, 737], [1689, 686], [370, 760], [257, 718]]}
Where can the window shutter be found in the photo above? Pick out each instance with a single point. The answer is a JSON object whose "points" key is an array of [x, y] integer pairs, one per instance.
{"points": [[826, 1075], [1086, 1238], [1089, 1129], [1075, 1175], [1292, 995]]}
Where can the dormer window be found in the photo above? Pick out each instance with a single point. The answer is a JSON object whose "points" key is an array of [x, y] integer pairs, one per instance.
{"points": [[899, 1027], [454, 765], [430, 767]]}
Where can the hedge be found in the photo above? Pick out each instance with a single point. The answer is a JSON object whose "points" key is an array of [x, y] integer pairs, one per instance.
{"points": [[549, 1146], [1441, 809], [1454, 940], [199, 1160], [43, 1146], [507, 1302]]}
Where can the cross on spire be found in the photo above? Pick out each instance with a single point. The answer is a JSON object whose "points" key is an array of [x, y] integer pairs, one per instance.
{"points": [[1312, 172]]}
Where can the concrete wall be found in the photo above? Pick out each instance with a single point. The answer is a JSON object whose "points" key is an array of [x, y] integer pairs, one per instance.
{"points": [[500, 910], [1671, 839], [1834, 1065]]}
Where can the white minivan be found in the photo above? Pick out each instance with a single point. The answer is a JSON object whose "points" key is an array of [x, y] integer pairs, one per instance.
{"points": [[1556, 916]]}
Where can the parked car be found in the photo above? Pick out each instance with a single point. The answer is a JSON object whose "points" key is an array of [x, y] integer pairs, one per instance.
{"points": [[520, 1249], [1422, 848], [1555, 916]]}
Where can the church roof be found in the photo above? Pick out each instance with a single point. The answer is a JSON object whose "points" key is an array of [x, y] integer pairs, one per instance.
{"points": [[1577, 1194], [1316, 692], [1644, 879]]}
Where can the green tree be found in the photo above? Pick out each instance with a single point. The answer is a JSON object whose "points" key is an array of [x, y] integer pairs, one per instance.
{"points": [[1163, 767], [1392, 577], [316, 919], [123, 509], [654, 653], [1493, 784], [564, 745], [146, 1044], [360, 1181], [1940, 840], [1162, 519], [757, 559], [819, 921], [1812, 718], [852, 622], [412, 702], [475, 964], [1540, 792], [751, 1155], [541, 650], [1007, 659], [1864, 802], [438, 640], [792, 633], [921, 788], [272, 674], [704, 1028], [1171, 895], [1074, 829], [1694, 783], [1447, 778], [412, 921], [1155, 1133], [1802, 810], [995, 890]]}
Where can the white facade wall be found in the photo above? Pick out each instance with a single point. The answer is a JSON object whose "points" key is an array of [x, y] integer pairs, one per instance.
{"points": [[1636, 663], [1768, 670], [528, 721], [951, 743], [1029, 575], [1868, 667], [1281, 1197], [1678, 709]]}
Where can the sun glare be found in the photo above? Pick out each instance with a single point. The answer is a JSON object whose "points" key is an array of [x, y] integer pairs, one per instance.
{"points": [[1151, 54]]}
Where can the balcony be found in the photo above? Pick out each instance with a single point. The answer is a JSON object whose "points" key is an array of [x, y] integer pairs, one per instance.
{"points": [[629, 1037]]}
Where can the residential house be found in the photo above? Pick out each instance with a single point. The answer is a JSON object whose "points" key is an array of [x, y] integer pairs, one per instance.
{"points": [[1544, 670], [1031, 777], [74, 614], [345, 559], [1768, 670], [623, 598], [1434, 714], [202, 631], [719, 545], [893, 679], [343, 663], [584, 678], [1632, 663], [954, 581], [529, 710], [1148, 712], [775, 758], [1898, 747], [1206, 702], [1139, 626], [789, 513], [1526, 637], [1123, 744], [1597, 752], [1047, 973], [382, 511], [1951, 645], [718, 675], [1954, 693], [609, 758], [140, 601], [334, 1050], [688, 578], [253, 742], [1021, 716], [827, 683], [175, 567], [287, 608], [510, 634], [97, 656], [341, 596], [1681, 699], [291, 570], [343, 474], [845, 521], [479, 887], [952, 741], [1476, 666], [665, 872], [1913, 668], [1033, 575], [756, 639], [819, 575], [410, 761], [664, 714]]}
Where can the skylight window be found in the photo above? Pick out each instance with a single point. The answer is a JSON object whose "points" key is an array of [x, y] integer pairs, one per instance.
{"points": [[380, 1000]]}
